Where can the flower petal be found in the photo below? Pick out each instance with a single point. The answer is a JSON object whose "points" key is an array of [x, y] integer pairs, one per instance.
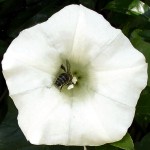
{"points": [[118, 54], [92, 34], [44, 116], [21, 78], [122, 85], [70, 121], [100, 120]]}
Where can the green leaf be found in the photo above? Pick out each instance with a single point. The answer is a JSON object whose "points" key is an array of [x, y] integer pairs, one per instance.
{"points": [[126, 143], [3, 47], [3, 103], [9, 6], [11, 136], [139, 22], [88, 3], [119, 6], [129, 15], [144, 47], [33, 147], [143, 106], [134, 7], [32, 16], [145, 34], [56, 147], [138, 7], [31, 2], [2, 1], [147, 2], [106, 147], [142, 115], [125, 15], [144, 144]]}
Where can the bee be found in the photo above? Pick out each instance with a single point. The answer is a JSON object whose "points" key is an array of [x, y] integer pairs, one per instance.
{"points": [[64, 78]]}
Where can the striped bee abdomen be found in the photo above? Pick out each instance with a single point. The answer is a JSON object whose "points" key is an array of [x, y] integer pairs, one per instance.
{"points": [[62, 79]]}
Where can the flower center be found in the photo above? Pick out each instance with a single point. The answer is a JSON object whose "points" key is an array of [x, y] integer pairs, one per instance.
{"points": [[72, 76], [74, 81]]}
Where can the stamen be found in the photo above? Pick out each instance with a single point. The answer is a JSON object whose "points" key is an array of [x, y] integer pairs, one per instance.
{"points": [[74, 80], [71, 86]]}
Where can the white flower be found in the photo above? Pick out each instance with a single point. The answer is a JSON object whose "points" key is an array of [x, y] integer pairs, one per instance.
{"points": [[107, 77]]}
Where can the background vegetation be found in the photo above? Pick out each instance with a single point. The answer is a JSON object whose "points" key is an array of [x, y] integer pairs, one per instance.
{"points": [[131, 16]]}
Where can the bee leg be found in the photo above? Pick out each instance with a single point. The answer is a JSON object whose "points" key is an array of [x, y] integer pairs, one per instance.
{"points": [[69, 83], [61, 88]]}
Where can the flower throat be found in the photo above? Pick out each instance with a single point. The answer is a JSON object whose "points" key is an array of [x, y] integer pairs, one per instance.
{"points": [[66, 78]]}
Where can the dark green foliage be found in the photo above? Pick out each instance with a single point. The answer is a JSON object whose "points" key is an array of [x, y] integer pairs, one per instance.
{"points": [[126, 143], [144, 144], [89, 3], [16, 15], [106, 147]]}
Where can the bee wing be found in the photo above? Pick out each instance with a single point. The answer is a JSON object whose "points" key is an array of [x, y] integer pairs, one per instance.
{"points": [[68, 66], [62, 67]]}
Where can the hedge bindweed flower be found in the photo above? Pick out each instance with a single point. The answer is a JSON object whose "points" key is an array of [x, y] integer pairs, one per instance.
{"points": [[99, 75]]}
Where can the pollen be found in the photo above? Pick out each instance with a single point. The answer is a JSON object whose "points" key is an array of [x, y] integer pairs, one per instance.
{"points": [[74, 80], [70, 87]]}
